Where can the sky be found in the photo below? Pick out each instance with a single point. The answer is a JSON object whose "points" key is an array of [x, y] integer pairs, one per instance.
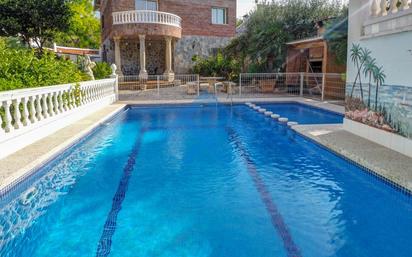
{"points": [[244, 6]]}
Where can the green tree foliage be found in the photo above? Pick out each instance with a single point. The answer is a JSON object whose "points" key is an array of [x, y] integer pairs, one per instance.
{"points": [[273, 24], [22, 68], [84, 26], [102, 70], [37, 20], [217, 65], [336, 36]]}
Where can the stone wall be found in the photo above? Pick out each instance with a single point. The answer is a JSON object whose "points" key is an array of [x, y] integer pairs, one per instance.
{"points": [[189, 46], [130, 55]]}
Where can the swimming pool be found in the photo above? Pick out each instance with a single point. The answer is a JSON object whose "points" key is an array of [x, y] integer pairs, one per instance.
{"points": [[204, 181], [303, 114]]}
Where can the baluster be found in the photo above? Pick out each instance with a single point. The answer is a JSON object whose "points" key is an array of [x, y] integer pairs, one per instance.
{"points": [[44, 106], [25, 112], [38, 108], [60, 101], [50, 104], [73, 97], [55, 103], [384, 6], [32, 105], [16, 114], [394, 6], [7, 116], [99, 93], [405, 4]]}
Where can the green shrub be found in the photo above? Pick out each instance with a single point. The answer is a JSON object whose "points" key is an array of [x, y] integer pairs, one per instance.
{"points": [[217, 65], [102, 70], [22, 68]]}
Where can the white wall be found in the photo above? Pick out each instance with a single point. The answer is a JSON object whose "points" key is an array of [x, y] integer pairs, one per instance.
{"points": [[392, 51]]}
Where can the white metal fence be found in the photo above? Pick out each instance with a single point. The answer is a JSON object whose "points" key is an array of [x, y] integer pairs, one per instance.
{"points": [[320, 86], [178, 86]]}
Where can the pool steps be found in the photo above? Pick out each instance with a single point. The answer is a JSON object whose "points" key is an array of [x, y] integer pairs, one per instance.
{"points": [[272, 115]]}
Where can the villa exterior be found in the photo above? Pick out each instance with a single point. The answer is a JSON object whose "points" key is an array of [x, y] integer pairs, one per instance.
{"points": [[153, 37], [383, 27]]}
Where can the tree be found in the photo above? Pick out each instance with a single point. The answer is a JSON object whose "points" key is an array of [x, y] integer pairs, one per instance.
{"points": [[336, 35], [273, 23], [34, 21], [84, 28]]}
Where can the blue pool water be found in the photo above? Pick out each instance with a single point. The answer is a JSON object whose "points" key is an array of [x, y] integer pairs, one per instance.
{"points": [[303, 114], [204, 181]]}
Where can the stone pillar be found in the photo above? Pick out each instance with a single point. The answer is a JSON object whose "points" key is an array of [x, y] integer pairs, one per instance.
{"points": [[168, 71], [117, 55], [143, 72]]}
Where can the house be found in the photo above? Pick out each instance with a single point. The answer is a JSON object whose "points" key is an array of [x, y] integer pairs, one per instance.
{"points": [[381, 113], [161, 36]]}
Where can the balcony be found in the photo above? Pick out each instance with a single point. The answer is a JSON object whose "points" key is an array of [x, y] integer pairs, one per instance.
{"points": [[145, 22], [388, 17], [151, 17]]}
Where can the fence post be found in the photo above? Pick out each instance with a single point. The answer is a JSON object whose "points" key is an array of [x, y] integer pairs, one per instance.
{"points": [[198, 84], [323, 86], [301, 84], [158, 86], [240, 84]]}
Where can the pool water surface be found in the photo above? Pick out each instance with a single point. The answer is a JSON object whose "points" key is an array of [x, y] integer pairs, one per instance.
{"points": [[205, 181]]}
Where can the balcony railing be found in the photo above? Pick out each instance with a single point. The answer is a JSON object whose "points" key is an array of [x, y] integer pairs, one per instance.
{"points": [[388, 17], [151, 17], [387, 7]]}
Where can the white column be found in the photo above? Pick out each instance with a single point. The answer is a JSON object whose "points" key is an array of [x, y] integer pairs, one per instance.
{"points": [[168, 61], [405, 4], [117, 55], [384, 12], [143, 72], [375, 8], [394, 6]]}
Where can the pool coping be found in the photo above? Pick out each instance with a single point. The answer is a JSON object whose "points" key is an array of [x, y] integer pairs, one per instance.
{"points": [[394, 182], [25, 172]]}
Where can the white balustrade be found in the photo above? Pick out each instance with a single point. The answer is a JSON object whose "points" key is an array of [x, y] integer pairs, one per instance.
{"points": [[154, 17], [23, 109], [385, 7]]}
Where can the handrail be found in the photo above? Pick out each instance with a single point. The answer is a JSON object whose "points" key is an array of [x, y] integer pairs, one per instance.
{"points": [[24, 107], [146, 16]]}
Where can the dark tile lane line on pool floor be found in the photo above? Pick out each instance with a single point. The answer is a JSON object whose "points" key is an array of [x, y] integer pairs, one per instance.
{"points": [[276, 218], [105, 242]]}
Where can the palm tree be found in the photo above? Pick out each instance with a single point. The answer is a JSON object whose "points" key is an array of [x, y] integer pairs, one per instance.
{"points": [[379, 77], [368, 69], [359, 56]]}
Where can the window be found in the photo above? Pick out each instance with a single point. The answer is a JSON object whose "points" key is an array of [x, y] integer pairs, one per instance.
{"points": [[219, 15], [150, 5]]}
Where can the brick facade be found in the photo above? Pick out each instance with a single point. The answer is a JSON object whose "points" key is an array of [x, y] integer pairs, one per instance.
{"points": [[197, 36]]}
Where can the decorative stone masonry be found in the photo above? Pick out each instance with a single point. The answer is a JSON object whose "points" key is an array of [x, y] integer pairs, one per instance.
{"points": [[189, 46]]}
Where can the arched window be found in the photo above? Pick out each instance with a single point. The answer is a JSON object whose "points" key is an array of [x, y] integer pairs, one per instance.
{"points": [[150, 5]]}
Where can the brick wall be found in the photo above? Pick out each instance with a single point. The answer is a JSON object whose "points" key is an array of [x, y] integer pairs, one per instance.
{"points": [[196, 15]]}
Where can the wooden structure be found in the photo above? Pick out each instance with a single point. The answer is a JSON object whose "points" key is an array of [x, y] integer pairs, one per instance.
{"points": [[313, 57]]}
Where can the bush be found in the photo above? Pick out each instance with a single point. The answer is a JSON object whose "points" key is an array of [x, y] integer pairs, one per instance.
{"points": [[102, 70], [22, 68], [217, 66]]}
